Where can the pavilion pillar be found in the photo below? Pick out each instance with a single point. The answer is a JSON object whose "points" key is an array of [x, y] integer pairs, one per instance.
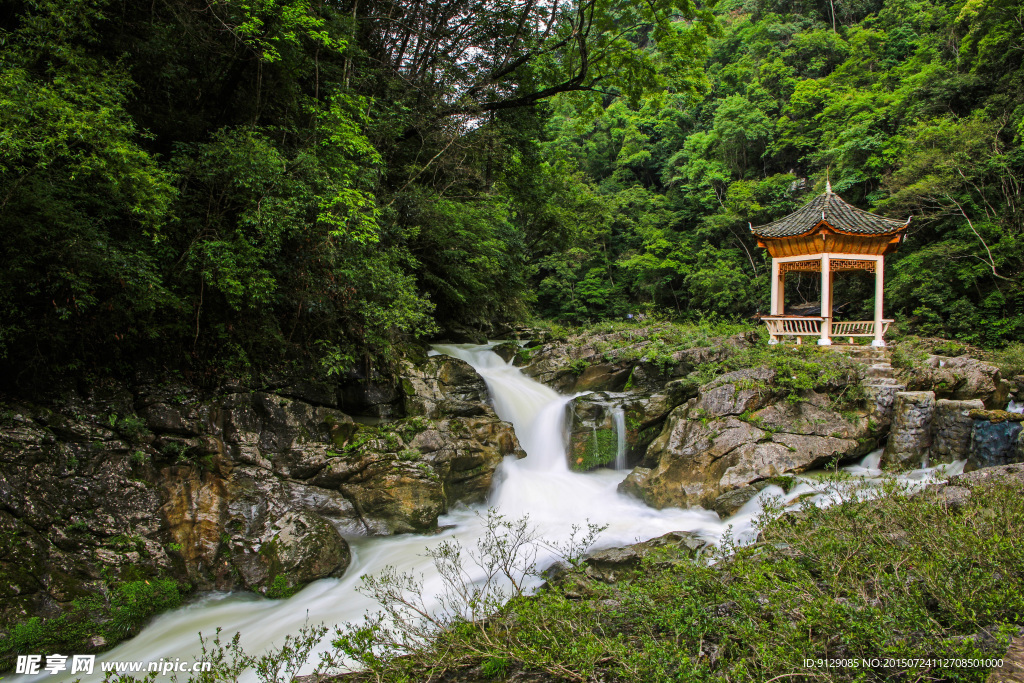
{"points": [[773, 305], [879, 300], [826, 301]]}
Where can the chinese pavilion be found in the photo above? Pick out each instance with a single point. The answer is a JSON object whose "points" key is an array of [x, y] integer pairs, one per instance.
{"points": [[828, 236]]}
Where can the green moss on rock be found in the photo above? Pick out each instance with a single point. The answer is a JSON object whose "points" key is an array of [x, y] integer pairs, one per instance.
{"points": [[595, 449]]}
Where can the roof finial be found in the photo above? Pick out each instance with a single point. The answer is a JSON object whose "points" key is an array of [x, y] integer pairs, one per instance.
{"points": [[828, 181]]}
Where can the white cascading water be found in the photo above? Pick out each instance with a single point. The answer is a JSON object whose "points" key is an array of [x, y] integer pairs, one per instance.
{"points": [[619, 417], [540, 485]]}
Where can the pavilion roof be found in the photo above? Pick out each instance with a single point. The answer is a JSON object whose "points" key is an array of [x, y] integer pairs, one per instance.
{"points": [[829, 208]]}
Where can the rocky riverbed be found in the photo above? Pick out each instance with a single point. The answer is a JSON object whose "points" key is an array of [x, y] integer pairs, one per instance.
{"points": [[159, 484]]}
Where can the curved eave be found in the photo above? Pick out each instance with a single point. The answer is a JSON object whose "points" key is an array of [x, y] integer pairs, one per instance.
{"points": [[826, 225]]}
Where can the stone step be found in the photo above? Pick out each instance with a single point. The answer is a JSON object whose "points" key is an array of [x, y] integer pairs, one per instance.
{"points": [[882, 382], [879, 370]]}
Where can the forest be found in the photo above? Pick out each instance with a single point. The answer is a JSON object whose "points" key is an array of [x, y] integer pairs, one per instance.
{"points": [[219, 187]]}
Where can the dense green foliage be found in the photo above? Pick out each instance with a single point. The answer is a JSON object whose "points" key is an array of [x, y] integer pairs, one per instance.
{"points": [[225, 185], [909, 107], [119, 614], [217, 186], [899, 578]]}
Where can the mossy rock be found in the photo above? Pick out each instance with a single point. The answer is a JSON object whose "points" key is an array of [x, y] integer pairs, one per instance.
{"points": [[590, 450], [507, 350]]}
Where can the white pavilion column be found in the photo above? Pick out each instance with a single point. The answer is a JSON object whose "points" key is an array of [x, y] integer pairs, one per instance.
{"points": [[826, 302], [879, 296], [773, 306]]}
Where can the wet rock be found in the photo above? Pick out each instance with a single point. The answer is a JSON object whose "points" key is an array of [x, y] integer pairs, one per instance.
{"points": [[442, 386], [731, 501], [997, 438], [951, 430], [507, 350], [593, 431], [609, 565], [961, 378], [699, 460], [289, 552], [910, 434], [393, 496], [602, 377]]}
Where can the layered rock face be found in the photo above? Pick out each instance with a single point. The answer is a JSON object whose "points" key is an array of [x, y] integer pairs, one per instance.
{"points": [[738, 431], [637, 364], [718, 444], [242, 489]]}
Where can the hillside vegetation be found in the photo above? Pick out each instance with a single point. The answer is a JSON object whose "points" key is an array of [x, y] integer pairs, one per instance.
{"points": [[220, 187]]}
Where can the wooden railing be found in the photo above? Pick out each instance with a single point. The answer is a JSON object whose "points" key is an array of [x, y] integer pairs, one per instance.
{"points": [[794, 326], [810, 326], [860, 328]]}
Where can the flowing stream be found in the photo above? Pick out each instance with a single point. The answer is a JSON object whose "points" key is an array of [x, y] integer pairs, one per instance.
{"points": [[540, 485]]}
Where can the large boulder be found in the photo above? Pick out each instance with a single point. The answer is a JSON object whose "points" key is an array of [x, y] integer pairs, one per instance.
{"points": [[700, 458], [959, 378], [608, 565], [997, 438], [77, 510], [442, 386], [631, 359], [288, 552], [910, 436], [951, 430]]}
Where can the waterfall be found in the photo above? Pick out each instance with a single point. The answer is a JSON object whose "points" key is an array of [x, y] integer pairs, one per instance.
{"points": [[619, 416], [540, 485]]}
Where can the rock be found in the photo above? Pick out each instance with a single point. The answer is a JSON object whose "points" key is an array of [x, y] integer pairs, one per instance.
{"points": [[961, 378], [615, 353], [1013, 474], [602, 377], [507, 350], [731, 501], [289, 552], [162, 417], [466, 466], [954, 496], [735, 393], [951, 430], [997, 438], [460, 334], [910, 434], [608, 565], [593, 431], [369, 393], [706, 456], [442, 386], [1012, 668]]}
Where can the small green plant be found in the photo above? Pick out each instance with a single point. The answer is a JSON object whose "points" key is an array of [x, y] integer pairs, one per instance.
{"points": [[174, 450], [77, 527], [174, 547], [409, 455], [280, 588], [139, 458], [578, 366]]}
